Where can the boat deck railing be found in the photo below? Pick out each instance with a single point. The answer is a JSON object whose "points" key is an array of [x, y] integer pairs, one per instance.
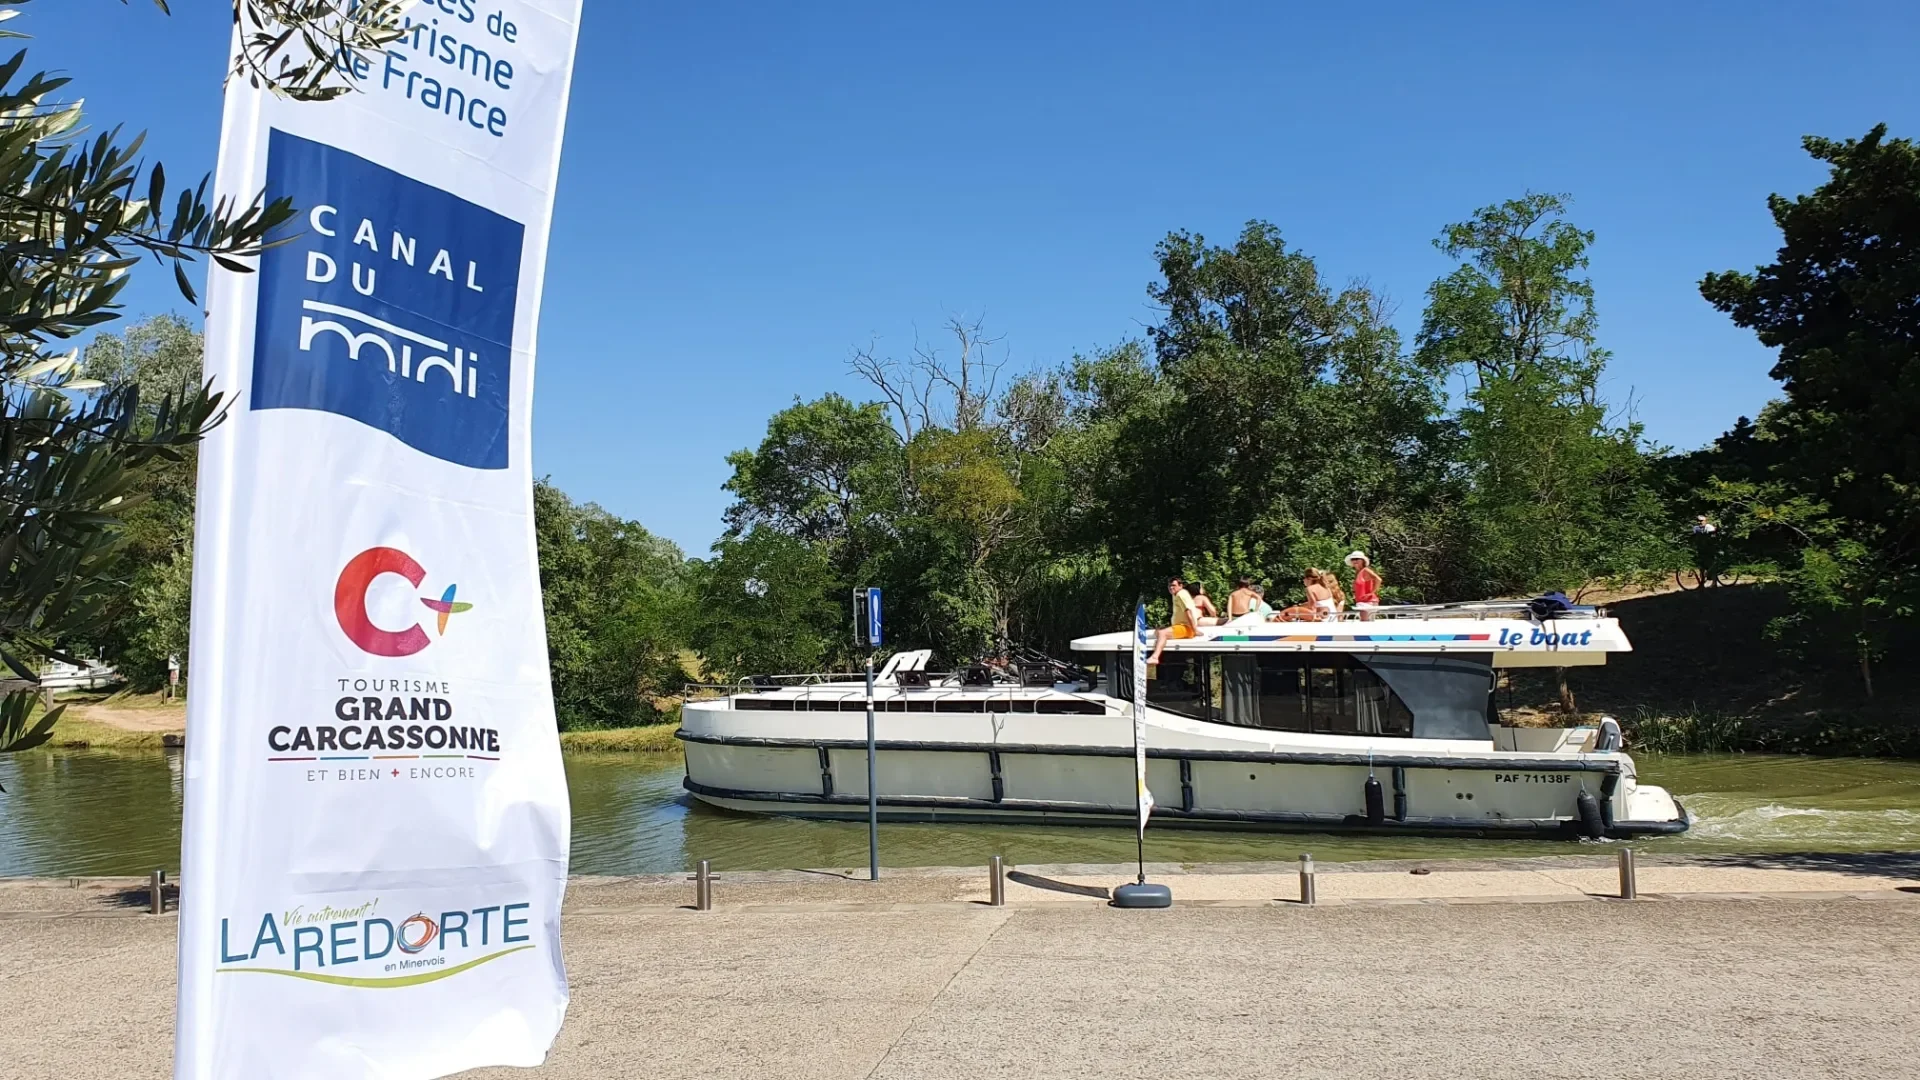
{"points": [[937, 682], [849, 680], [953, 680], [1471, 609]]}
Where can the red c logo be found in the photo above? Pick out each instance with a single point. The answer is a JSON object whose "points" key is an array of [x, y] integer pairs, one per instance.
{"points": [[350, 602]]}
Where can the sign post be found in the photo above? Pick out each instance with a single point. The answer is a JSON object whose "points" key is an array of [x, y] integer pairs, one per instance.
{"points": [[377, 824], [867, 632]]}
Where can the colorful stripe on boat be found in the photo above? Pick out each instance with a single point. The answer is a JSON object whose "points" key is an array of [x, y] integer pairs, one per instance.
{"points": [[1353, 637]]}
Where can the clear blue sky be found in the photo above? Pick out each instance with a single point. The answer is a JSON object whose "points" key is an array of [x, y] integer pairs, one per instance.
{"points": [[749, 190]]}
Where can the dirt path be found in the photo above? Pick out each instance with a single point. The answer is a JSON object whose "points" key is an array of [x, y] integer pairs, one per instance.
{"points": [[162, 718]]}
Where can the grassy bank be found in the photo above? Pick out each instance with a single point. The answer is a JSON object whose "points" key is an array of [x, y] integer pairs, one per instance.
{"points": [[117, 720], [1830, 733], [74, 732], [123, 721], [652, 739]]}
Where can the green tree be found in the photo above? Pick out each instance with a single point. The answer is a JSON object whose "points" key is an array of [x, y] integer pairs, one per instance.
{"points": [[146, 623], [948, 493], [1729, 483], [615, 598], [1268, 423], [157, 627], [983, 496], [815, 509], [1838, 302], [1305, 417], [822, 474], [1275, 407], [1558, 494], [769, 603]]}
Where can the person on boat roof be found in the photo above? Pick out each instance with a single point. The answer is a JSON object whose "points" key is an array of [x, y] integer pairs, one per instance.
{"points": [[1185, 623], [1323, 594], [1261, 608], [1366, 584], [1208, 615], [1310, 609], [1243, 599]]}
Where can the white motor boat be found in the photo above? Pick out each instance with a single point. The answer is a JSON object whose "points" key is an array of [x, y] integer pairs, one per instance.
{"points": [[1381, 725]]}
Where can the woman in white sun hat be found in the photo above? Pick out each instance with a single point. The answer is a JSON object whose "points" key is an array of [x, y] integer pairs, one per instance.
{"points": [[1366, 584]]}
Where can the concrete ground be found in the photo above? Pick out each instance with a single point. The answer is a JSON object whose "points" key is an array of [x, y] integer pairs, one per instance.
{"points": [[1395, 974]]}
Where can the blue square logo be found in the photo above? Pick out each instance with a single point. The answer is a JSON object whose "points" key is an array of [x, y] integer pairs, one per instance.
{"points": [[393, 305]]}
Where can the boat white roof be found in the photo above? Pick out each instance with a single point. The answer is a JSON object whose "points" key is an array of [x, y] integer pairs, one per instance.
{"points": [[1515, 640]]}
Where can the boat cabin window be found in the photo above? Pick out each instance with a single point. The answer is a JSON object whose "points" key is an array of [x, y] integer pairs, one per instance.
{"points": [[1325, 693]]}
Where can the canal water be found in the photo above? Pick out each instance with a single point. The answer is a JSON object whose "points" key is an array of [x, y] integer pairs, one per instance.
{"points": [[88, 812]]}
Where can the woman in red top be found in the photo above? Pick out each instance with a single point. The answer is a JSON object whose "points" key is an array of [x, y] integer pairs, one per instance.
{"points": [[1366, 584]]}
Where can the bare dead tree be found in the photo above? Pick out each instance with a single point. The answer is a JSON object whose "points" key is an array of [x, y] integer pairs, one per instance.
{"points": [[906, 396], [973, 381], [960, 391], [929, 390]]}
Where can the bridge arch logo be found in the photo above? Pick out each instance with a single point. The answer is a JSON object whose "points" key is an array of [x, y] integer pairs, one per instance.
{"points": [[350, 603]]}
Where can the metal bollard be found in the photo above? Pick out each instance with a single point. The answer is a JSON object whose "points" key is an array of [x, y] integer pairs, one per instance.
{"points": [[157, 893], [703, 887], [996, 883], [1629, 888], [1307, 896]]}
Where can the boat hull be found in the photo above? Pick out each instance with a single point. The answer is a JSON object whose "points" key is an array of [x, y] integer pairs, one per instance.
{"points": [[1039, 813], [797, 765]]}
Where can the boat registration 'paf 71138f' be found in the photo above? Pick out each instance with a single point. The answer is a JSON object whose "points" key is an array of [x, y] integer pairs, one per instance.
{"points": [[1384, 725]]}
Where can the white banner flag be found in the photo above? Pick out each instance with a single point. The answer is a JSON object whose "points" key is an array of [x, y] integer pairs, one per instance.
{"points": [[377, 824], [1142, 641]]}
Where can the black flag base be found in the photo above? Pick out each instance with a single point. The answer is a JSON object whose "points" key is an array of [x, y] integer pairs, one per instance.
{"points": [[1142, 895]]}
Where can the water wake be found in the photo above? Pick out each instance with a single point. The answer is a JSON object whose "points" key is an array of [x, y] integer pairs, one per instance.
{"points": [[1739, 819]]}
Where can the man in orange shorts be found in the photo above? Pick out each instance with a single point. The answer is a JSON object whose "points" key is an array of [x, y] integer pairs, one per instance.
{"points": [[1186, 619]]}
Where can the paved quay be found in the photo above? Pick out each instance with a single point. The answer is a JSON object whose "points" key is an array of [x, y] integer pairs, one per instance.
{"points": [[1800, 966]]}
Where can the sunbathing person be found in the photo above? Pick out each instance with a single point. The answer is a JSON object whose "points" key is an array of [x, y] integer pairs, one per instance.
{"points": [[1319, 596], [1337, 594], [1203, 607], [1305, 611]]}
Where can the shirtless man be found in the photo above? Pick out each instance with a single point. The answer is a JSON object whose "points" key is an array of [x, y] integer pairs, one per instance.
{"points": [[1186, 620], [1243, 599]]}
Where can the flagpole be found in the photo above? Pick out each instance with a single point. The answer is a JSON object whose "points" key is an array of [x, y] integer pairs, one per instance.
{"points": [[1140, 790], [1141, 894], [1142, 799]]}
